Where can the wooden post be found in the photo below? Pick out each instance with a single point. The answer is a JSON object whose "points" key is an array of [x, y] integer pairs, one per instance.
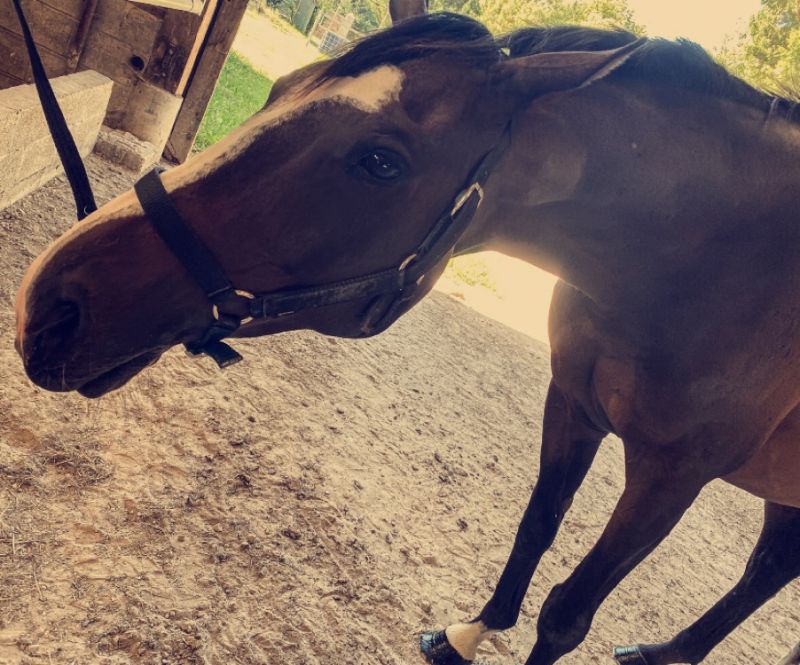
{"points": [[151, 114], [81, 34], [224, 25], [208, 14]]}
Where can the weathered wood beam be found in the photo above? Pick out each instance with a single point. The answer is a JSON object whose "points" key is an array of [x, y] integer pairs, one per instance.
{"points": [[176, 49], [199, 40], [224, 25], [14, 62], [81, 35]]}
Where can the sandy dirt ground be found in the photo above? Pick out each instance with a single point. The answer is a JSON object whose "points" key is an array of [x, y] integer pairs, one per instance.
{"points": [[272, 46], [319, 504]]}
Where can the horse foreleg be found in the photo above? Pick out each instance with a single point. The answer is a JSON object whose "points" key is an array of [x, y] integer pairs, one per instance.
{"points": [[660, 486], [775, 562], [569, 444]]}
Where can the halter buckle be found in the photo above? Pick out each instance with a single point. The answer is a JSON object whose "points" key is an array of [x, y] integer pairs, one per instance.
{"points": [[406, 262], [239, 292], [464, 197]]}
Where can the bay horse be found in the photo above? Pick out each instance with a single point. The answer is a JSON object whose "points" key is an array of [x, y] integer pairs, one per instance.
{"points": [[661, 190]]}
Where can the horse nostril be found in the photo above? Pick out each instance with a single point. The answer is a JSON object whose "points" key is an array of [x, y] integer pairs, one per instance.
{"points": [[53, 337]]}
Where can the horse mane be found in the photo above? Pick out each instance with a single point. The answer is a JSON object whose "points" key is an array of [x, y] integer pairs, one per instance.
{"points": [[681, 63]]}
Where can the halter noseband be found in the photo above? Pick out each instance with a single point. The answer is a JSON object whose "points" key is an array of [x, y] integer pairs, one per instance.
{"points": [[390, 289]]}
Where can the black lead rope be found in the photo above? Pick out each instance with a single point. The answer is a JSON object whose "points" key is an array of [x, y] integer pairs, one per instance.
{"points": [[62, 137]]}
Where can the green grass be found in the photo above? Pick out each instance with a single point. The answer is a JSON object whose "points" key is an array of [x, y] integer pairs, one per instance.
{"points": [[240, 92]]}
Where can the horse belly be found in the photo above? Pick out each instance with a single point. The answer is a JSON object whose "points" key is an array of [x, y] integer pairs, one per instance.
{"points": [[773, 473]]}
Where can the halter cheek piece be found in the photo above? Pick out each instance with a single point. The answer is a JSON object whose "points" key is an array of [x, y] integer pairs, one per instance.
{"points": [[390, 290]]}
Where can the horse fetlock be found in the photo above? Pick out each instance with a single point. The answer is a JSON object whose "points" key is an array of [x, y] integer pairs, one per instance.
{"points": [[498, 616], [683, 648], [544, 654], [466, 637]]}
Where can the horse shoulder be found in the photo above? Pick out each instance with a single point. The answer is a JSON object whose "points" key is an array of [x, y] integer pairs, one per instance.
{"points": [[639, 388]]}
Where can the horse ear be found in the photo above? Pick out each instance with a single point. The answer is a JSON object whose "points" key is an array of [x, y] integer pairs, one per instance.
{"points": [[538, 74], [403, 9]]}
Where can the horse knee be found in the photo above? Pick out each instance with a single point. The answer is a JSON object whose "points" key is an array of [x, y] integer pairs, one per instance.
{"points": [[563, 624], [536, 536], [772, 569], [539, 528]]}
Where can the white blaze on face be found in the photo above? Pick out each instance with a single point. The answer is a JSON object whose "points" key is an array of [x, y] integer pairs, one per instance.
{"points": [[370, 92]]}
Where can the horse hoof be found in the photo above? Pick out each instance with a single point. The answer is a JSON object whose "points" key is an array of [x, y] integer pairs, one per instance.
{"points": [[629, 655], [438, 651]]}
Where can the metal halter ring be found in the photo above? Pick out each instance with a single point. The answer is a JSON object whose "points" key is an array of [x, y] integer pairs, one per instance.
{"points": [[406, 262], [461, 200], [238, 292]]}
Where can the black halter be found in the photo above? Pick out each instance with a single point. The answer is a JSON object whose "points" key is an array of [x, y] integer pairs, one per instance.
{"points": [[390, 290]]}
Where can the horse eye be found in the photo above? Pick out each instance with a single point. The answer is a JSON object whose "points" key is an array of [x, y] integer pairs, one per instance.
{"points": [[381, 165]]}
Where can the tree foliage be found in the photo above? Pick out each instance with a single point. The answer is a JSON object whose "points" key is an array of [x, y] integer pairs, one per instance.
{"points": [[369, 14], [501, 15], [469, 7], [768, 54], [504, 15]]}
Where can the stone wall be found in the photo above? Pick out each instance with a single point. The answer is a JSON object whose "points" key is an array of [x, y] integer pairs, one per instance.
{"points": [[28, 157]]}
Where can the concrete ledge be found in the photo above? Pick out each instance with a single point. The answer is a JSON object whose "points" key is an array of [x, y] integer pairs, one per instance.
{"points": [[151, 114], [125, 149], [28, 157]]}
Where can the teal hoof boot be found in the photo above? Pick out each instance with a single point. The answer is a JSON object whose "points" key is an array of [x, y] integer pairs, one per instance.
{"points": [[438, 650], [629, 655]]}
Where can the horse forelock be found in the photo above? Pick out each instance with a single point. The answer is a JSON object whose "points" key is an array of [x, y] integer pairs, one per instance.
{"points": [[455, 35]]}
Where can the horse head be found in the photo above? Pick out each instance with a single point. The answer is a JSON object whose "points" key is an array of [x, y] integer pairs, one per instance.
{"points": [[345, 172]]}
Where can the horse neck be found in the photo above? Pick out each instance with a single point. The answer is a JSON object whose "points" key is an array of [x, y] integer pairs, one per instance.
{"points": [[617, 186]]}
